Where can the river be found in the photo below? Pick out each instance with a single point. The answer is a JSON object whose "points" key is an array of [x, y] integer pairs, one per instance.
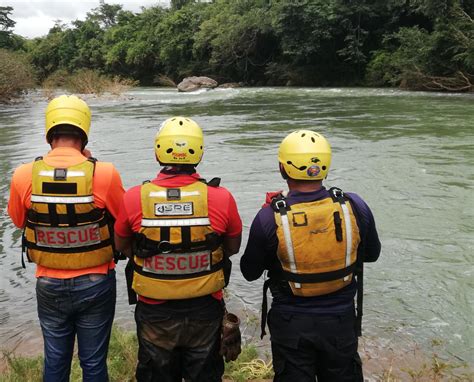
{"points": [[408, 154]]}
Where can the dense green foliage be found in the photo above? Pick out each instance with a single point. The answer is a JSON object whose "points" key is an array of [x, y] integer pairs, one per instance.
{"points": [[419, 44], [16, 74]]}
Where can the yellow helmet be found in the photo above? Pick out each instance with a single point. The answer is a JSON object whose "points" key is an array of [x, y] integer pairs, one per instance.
{"points": [[68, 110], [305, 155], [179, 141]]}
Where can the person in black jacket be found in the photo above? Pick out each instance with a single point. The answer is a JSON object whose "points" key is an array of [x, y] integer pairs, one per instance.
{"points": [[313, 242]]}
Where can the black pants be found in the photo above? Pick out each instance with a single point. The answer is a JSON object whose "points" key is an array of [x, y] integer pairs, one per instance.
{"points": [[308, 346], [176, 342]]}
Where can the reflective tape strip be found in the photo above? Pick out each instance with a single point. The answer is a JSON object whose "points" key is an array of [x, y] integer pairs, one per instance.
{"points": [[175, 222], [289, 245], [348, 225], [62, 199], [162, 194], [70, 174]]}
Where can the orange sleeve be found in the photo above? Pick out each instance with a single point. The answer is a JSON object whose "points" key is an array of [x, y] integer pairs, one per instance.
{"points": [[108, 188], [20, 194]]}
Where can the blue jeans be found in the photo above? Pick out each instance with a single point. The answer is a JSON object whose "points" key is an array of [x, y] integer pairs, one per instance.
{"points": [[85, 306]]}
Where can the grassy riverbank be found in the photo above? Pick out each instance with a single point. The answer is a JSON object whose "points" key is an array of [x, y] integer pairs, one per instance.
{"points": [[379, 364], [122, 359]]}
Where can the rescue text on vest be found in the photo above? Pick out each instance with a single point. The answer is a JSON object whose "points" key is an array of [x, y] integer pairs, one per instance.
{"points": [[178, 263], [70, 237]]}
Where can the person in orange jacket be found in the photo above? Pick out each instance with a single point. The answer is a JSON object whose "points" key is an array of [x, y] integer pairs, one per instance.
{"points": [[66, 202]]}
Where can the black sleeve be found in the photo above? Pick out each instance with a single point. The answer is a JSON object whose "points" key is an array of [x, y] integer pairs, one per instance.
{"points": [[370, 242], [259, 251]]}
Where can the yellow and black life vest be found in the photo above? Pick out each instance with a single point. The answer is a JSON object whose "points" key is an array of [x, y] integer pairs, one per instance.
{"points": [[178, 255], [64, 228], [317, 244]]}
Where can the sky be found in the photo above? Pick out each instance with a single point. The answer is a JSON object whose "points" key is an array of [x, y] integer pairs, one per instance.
{"points": [[34, 18]]}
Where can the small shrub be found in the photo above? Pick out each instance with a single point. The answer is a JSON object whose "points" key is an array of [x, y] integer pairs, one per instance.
{"points": [[163, 80], [53, 81], [16, 75], [119, 85], [86, 81]]}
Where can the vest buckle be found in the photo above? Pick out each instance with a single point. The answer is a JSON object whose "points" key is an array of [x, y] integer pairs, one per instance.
{"points": [[164, 246]]}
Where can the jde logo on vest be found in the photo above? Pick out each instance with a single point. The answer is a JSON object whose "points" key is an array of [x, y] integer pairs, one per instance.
{"points": [[178, 263], [167, 209], [70, 237]]}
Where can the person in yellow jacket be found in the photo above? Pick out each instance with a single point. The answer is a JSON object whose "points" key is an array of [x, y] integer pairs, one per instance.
{"points": [[313, 242], [66, 203], [184, 230]]}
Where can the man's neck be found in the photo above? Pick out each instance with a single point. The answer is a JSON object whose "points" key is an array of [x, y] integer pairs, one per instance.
{"points": [[66, 142], [304, 186], [179, 170]]}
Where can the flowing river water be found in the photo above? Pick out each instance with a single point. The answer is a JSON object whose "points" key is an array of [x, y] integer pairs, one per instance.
{"points": [[409, 155]]}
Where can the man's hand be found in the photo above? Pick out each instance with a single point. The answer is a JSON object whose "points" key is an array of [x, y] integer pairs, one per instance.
{"points": [[123, 244], [232, 245]]}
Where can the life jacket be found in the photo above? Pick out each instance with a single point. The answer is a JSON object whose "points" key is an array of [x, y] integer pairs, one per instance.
{"points": [[64, 228], [317, 244], [178, 255]]}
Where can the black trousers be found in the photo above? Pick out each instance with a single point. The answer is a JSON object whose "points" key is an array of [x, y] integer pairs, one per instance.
{"points": [[176, 342], [306, 347]]}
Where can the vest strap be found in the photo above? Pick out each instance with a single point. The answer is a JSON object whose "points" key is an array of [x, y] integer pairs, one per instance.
{"points": [[86, 248], [282, 207], [146, 247], [41, 218], [263, 319], [132, 296], [318, 277]]}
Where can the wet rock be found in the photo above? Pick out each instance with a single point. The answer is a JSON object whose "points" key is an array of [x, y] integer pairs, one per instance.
{"points": [[190, 84]]}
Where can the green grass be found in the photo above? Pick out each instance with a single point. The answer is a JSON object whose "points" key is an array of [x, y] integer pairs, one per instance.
{"points": [[121, 361], [248, 366]]}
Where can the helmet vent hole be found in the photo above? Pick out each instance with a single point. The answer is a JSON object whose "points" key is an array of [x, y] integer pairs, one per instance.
{"points": [[157, 146], [289, 162], [201, 147], [173, 119], [181, 123], [313, 140], [324, 167], [169, 151], [302, 135], [191, 151]]}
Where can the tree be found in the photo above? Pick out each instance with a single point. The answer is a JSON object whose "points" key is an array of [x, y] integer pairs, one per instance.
{"points": [[6, 27], [178, 4], [105, 14], [236, 39]]}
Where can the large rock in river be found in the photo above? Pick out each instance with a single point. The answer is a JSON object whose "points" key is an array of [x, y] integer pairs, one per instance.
{"points": [[190, 84]]}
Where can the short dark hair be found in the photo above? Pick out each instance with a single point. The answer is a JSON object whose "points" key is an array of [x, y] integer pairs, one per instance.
{"points": [[65, 130]]}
